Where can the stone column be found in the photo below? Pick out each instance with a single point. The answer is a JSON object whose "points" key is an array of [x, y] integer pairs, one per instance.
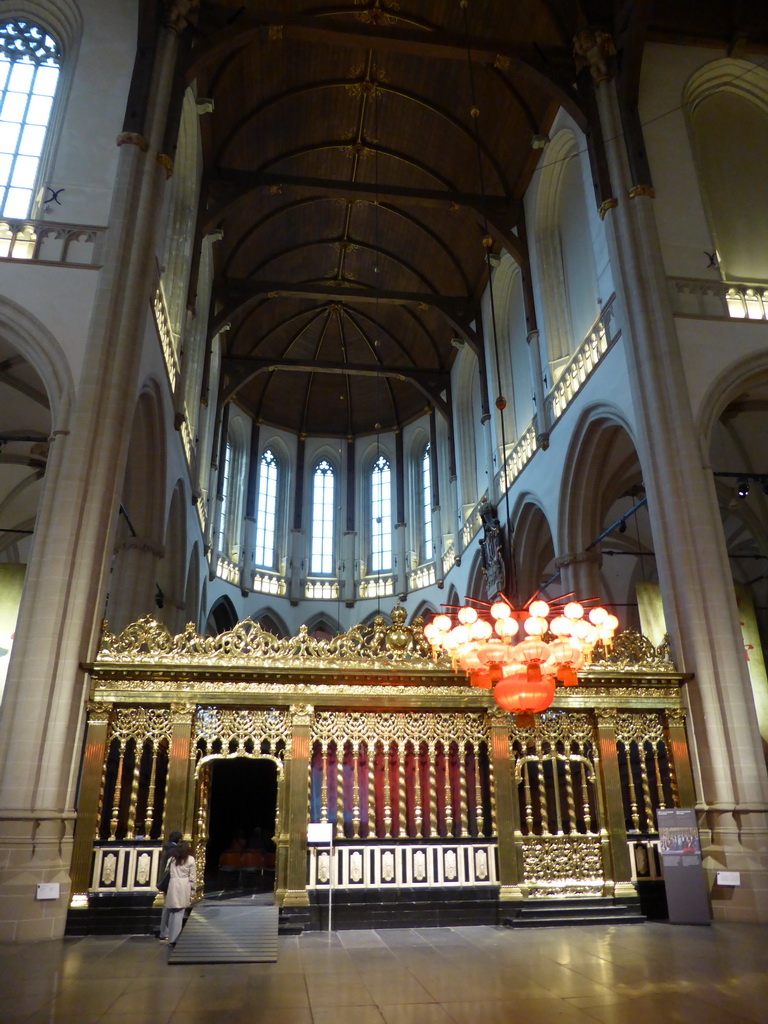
{"points": [[136, 564], [691, 555], [43, 712], [580, 574], [294, 827], [507, 807]]}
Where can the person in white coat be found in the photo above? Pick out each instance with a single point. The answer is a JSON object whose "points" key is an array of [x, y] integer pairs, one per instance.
{"points": [[180, 886]]}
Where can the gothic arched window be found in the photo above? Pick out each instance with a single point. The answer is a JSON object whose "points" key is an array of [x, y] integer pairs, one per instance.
{"points": [[225, 488], [266, 511], [427, 551], [30, 61], [323, 499], [381, 516]]}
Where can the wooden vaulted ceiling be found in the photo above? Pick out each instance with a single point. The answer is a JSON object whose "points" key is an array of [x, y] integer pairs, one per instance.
{"points": [[354, 184]]}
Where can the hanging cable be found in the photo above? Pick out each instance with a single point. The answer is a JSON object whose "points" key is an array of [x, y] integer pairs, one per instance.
{"points": [[501, 402]]}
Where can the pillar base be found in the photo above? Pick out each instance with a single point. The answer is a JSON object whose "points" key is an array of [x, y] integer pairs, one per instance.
{"points": [[736, 841], [34, 850]]}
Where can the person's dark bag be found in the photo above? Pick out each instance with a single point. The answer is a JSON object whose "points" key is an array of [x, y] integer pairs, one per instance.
{"points": [[162, 885]]}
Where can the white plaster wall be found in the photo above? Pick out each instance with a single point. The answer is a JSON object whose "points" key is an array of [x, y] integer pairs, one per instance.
{"points": [[684, 233], [60, 297], [711, 348], [85, 158]]}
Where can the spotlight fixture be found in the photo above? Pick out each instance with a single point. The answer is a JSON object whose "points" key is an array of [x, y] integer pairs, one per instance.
{"points": [[623, 526], [742, 486]]}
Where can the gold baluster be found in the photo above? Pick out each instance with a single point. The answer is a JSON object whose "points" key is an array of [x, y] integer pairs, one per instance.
{"points": [[526, 773], [401, 791], [386, 756], [417, 810], [339, 790], [646, 783], [131, 826], [150, 811], [323, 782], [355, 791], [635, 810], [479, 816], [659, 784], [116, 798], [569, 794], [555, 762], [371, 792], [431, 750], [492, 791], [448, 791], [463, 797], [543, 809]]}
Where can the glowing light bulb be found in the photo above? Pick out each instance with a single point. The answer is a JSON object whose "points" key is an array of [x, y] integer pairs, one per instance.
{"points": [[539, 609], [573, 610], [467, 615], [500, 610]]}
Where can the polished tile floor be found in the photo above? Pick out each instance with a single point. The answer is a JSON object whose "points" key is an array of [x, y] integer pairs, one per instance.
{"points": [[650, 973]]}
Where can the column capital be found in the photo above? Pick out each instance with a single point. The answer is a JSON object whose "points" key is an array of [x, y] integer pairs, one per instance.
{"points": [[177, 14], [578, 558], [593, 48]]}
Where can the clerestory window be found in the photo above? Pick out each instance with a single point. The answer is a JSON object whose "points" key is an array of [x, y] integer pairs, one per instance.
{"points": [[427, 550], [225, 489], [30, 62], [381, 516], [266, 511], [323, 509]]}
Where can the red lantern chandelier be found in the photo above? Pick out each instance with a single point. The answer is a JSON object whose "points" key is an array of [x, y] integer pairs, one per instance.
{"points": [[523, 674]]}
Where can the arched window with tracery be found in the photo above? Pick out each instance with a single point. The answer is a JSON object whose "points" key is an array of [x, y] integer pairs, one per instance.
{"points": [[266, 511], [427, 546], [323, 508], [30, 61], [381, 516]]}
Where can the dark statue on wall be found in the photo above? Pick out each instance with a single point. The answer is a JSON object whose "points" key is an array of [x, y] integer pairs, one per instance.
{"points": [[492, 553]]}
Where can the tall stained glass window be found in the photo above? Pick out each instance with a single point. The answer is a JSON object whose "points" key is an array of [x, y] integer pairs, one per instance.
{"points": [[266, 511], [29, 73], [381, 516], [426, 506], [323, 514]]}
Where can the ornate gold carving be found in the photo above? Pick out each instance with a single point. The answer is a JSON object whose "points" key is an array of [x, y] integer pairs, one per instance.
{"points": [[234, 728], [593, 48], [562, 865], [132, 139], [633, 652], [606, 205], [275, 33], [367, 727], [141, 724], [146, 642], [676, 716], [647, 191], [377, 12], [502, 62], [640, 728], [555, 726]]}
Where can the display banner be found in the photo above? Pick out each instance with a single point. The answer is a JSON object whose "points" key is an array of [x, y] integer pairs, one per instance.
{"points": [[11, 586], [651, 613], [680, 849]]}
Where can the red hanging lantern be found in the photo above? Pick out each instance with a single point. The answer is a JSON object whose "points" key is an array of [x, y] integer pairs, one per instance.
{"points": [[521, 696], [532, 653], [566, 658]]}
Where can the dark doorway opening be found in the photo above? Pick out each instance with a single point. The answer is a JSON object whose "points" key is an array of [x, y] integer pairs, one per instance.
{"points": [[240, 852]]}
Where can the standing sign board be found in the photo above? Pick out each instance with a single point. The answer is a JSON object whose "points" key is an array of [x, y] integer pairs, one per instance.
{"points": [[684, 880]]}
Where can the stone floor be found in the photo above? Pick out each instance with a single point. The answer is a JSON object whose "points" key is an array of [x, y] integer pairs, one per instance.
{"points": [[655, 973]]}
